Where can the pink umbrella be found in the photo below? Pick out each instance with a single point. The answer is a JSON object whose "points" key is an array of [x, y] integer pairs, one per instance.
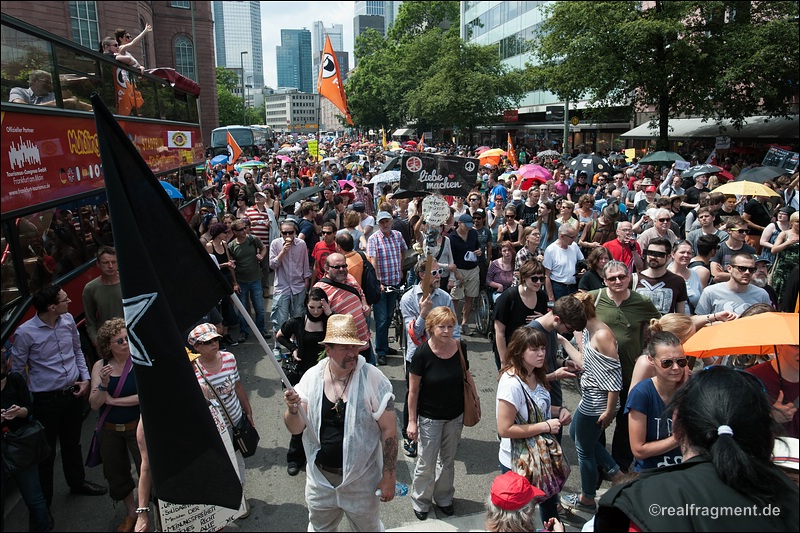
{"points": [[284, 158], [481, 149], [535, 171], [348, 183]]}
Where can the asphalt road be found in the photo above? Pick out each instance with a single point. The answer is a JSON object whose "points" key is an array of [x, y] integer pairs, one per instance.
{"points": [[277, 499]]}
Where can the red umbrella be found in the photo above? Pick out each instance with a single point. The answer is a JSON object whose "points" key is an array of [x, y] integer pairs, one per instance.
{"points": [[725, 174], [527, 183], [411, 142]]}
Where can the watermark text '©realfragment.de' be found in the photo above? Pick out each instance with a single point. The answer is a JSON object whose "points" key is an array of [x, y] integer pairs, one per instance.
{"points": [[713, 512]]}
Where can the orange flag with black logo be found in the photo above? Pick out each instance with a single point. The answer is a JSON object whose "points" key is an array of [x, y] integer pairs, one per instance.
{"points": [[512, 154], [329, 83], [233, 151]]}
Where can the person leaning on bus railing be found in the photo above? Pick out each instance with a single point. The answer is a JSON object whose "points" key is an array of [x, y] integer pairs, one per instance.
{"points": [[40, 92]]}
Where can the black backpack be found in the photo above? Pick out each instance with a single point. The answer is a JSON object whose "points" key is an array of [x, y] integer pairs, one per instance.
{"points": [[369, 282]]}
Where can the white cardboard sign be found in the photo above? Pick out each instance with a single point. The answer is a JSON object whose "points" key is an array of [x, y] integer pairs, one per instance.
{"points": [[435, 210]]}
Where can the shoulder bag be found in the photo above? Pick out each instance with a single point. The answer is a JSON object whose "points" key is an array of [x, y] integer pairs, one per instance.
{"points": [[25, 447], [539, 458], [93, 458], [245, 436], [472, 402]]}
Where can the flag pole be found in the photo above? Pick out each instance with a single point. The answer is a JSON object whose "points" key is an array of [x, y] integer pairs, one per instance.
{"points": [[270, 354]]}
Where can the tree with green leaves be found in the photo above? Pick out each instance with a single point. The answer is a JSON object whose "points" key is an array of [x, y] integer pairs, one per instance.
{"points": [[710, 59], [423, 73]]}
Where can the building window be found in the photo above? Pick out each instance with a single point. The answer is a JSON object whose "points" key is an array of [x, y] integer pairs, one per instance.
{"points": [[84, 24], [184, 57], [179, 5]]}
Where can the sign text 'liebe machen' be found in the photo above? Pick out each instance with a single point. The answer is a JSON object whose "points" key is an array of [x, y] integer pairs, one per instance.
{"points": [[454, 176]]}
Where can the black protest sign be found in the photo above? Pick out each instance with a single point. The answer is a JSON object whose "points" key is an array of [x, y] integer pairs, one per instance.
{"points": [[431, 173]]}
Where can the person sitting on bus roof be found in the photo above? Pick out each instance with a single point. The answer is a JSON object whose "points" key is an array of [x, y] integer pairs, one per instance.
{"points": [[126, 42]]}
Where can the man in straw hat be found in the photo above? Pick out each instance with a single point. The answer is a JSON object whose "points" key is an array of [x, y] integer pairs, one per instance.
{"points": [[351, 439]]}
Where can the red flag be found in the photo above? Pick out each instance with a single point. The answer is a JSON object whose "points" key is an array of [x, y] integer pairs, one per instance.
{"points": [[168, 283], [512, 154], [329, 83], [233, 151]]}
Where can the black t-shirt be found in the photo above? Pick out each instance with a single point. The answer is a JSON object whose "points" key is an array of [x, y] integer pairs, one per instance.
{"points": [[577, 190], [441, 388], [527, 215], [511, 311], [693, 195], [758, 215], [461, 247], [15, 393], [590, 281]]}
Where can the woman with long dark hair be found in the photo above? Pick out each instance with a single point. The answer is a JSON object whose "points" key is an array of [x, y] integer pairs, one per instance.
{"points": [[721, 420], [546, 224], [302, 335]]}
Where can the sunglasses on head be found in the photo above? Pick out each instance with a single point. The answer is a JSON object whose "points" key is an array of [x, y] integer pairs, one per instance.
{"points": [[744, 269], [667, 363]]}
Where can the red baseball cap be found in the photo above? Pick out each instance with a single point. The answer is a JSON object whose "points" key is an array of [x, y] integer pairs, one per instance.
{"points": [[511, 492], [651, 188]]}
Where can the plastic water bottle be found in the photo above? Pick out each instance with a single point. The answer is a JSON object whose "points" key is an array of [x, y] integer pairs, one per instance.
{"points": [[400, 489]]}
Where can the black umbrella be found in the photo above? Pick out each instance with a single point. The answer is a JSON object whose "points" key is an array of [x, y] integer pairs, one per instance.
{"points": [[762, 174], [392, 163], [302, 194], [589, 163], [700, 169]]}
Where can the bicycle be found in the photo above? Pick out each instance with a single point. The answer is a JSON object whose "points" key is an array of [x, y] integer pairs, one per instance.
{"points": [[397, 326]]}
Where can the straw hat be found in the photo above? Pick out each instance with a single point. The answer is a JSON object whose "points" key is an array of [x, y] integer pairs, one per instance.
{"points": [[342, 330]]}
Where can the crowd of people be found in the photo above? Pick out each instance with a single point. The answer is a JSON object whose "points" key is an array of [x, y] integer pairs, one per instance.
{"points": [[599, 278]]}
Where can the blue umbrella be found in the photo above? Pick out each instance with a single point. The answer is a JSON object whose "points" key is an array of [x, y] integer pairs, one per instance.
{"points": [[172, 192], [218, 160]]}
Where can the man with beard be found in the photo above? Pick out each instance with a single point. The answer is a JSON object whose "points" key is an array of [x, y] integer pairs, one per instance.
{"points": [[736, 294], [760, 279], [415, 309], [666, 290]]}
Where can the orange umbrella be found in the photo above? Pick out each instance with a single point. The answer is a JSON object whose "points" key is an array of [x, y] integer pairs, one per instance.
{"points": [[491, 157], [757, 334]]}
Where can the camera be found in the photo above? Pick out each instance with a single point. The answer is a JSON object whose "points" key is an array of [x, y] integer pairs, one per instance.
{"points": [[74, 389]]}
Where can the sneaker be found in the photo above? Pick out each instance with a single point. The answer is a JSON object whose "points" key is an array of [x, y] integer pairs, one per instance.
{"points": [[229, 341], [465, 331], [410, 447], [266, 334], [243, 337], [573, 502], [392, 351], [382, 360]]}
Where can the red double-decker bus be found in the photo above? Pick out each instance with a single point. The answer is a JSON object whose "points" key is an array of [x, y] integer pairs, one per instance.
{"points": [[53, 210]]}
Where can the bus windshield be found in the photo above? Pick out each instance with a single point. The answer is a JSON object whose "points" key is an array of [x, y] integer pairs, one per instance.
{"points": [[54, 215], [251, 139]]}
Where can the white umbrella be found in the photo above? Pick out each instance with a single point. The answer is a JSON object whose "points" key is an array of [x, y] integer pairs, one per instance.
{"points": [[331, 159], [390, 176], [290, 150]]}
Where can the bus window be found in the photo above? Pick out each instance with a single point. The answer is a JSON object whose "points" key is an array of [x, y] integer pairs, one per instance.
{"points": [[21, 55], [78, 77], [9, 291]]}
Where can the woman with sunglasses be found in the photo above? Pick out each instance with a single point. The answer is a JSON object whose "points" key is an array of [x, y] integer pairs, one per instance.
{"points": [[510, 230], [650, 432], [118, 433], [721, 422], [517, 306], [126, 43]]}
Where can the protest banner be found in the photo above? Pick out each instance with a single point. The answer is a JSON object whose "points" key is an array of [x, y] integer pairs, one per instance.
{"points": [[432, 173]]}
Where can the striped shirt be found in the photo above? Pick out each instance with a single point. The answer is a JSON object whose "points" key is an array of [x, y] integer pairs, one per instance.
{"points": [[601, 374], [224, 382], [259, 223], [344, 302], [389, 254]]}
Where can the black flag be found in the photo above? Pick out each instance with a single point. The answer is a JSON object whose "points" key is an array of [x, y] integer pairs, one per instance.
{"points": [[168, 282]]}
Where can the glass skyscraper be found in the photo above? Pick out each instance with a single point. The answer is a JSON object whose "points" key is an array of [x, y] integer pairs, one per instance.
{"points": [[237, 29], [294, 61]]}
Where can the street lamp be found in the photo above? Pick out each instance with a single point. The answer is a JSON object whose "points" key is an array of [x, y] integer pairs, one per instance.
{"points": [[244, 102]]}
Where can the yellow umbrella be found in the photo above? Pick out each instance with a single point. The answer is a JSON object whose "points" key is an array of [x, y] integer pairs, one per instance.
{"points": [[745, 188]]}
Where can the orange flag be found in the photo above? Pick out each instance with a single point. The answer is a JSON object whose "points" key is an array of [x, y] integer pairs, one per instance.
{"points": [[233, 151], [329, 83], [421, 144], [512, 155]]}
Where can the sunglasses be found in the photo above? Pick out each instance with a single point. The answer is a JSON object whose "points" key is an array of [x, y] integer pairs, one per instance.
{"points": [[206, 343], [474, 199], [739, 231], [287, 233], [537, 279], [653, 253], [121, 341], [512, 217], [744, 269], [664, 219], [617, 278], [337, 267], [667, 363], [434, 272], [327, 233], [238, 229]]}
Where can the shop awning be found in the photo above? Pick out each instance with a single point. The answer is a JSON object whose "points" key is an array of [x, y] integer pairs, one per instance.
{"points": [[758, 127], [408, 132]]}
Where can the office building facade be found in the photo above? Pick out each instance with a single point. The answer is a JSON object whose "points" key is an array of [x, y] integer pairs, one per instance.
{"points": [[293, 58], [237, 29]]}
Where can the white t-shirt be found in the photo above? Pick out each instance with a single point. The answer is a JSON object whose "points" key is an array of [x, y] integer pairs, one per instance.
{"points": [[717, 298], [561, 263], [509, 389]]}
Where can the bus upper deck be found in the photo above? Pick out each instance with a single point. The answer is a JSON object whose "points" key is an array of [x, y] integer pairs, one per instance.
{"points": [[52, 199]]}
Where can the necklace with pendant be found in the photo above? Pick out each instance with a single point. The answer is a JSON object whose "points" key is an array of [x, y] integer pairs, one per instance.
{"points": [[338, 404]]}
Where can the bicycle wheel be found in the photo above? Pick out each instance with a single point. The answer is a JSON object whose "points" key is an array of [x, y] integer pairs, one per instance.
{"points": [[483, 313]]}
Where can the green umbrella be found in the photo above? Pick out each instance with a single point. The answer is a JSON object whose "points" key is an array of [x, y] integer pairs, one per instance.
{"points": [[661, 158]]}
